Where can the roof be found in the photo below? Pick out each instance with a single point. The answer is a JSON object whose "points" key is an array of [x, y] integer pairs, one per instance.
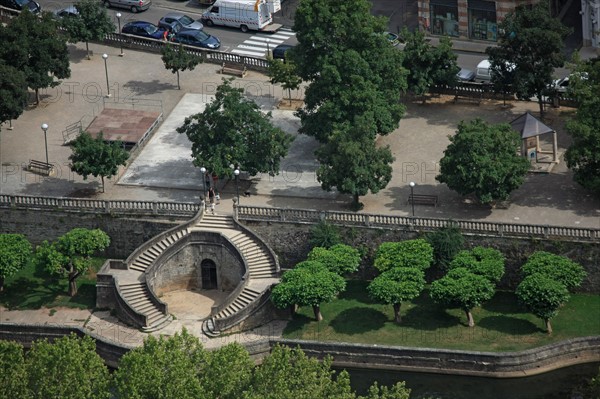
{"points": [[528, 125]]}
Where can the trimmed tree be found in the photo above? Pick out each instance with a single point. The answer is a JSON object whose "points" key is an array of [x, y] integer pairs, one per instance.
{"points": [[92, 23], [446, 242], [70, 255], [556, 267], [396, 286], [96, 157], [232, 130], [486, 262], [310, 283], [341, 258], [15, 252], [13, 379], [462, 289], [483, 160], [67, 368], [542, 296], [284, 73], [410, 253], [179, 60]]}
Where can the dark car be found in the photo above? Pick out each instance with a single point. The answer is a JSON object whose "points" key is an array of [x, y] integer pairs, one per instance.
{"points": [[197, 38], [186, 21], [144, 29], [465, 75], [67, 12], [279, 51], [21, 5]]}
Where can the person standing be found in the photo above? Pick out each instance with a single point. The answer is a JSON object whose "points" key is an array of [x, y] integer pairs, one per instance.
{"points": [[211, 198]]}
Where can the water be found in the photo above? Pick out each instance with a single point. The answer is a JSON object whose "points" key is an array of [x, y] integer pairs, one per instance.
{"points": [[557, 384]]}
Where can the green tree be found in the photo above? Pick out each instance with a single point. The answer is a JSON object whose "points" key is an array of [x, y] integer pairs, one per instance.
{"points": [[533, 42], [446, 242], [583, 155], [179, 60], [68, 368], [409, 253], [325, 235], [96, 157], [543, 296], [502, 73], [163, 368], [397, 391], [483, 160], [486, 262], [13, 90], [341, 258], [70, 255], [397, 285], [227, 373], [31, 45], [558, 268], [310, 283], [233, 131], [13, 379], [92, 23], [15, 252], [284, 73], [462, 289]]}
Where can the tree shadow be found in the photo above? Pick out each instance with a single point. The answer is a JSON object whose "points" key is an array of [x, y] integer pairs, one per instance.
{"points": [[504, 302], [140, 88], [509, 325], [358, 320], [297, 325], [428, 315], [25, 293], [86, 296], [77, 55]]}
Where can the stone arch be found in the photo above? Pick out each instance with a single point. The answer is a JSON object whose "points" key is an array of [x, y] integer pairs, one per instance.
{"points": [[208, 275]]}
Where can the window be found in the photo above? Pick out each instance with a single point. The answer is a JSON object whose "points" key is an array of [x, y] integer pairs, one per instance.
{"points": [[444, 17], [482, 20]]}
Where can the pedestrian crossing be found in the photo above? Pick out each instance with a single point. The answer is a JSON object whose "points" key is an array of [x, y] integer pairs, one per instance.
{"points": [[258, 44]]}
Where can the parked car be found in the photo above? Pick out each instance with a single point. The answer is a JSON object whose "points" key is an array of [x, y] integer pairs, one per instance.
{"points": [[132, 5], [70, 11], [279, 51], [393, 38], [562, 85], [198, 38], [144, 29], [186, 21], [21, 5], [465, 75]]}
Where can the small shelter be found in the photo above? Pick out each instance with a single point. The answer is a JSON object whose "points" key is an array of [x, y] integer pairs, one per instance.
{"points": [[530, 128]]}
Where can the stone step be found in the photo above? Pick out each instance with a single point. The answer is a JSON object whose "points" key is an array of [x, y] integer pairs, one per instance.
{"points": [[259, 262], [263, 275], [142, 261], [144, 307], [138, 301], [253, 253], [132, 290], [208, 328], [154, 251], [138, 268], [158, 323], [146, 257]]}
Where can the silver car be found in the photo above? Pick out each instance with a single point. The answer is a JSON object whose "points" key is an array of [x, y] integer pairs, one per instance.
{"points": [[187, 21], [132, 5]]}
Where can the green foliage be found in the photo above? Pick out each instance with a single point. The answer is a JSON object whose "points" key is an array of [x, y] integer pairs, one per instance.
{"points": [[179, 60], [70, 255], [583, 155], [227, 373], [483, 160], [558, 268], [289, 374], [446, 242], [340, 258], [232, 130], [15, 252], [13, 379], [92, 23], [68, 368], [486, 262], [410, 253], [533, 42], [397, 391], [13, 90], [324, 235], [542, 296], [284, 73], [96, 157], [397, 285], [162, 368]]}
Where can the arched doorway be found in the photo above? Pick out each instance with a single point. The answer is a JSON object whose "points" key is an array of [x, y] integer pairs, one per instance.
{"points": [[208, 270]]}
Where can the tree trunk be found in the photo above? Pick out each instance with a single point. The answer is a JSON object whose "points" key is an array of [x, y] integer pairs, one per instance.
{"points": [[317, 312], [87, 50], [37, 96], [470, 318], [102, 178], [397, 317], [548, 326], [73, 284], [1, 283], [178, 87], [290, 96], [541, 104], [293, 309]]}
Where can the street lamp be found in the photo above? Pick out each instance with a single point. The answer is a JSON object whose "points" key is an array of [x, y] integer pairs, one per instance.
{"points": [[412, 198], [105, 56], [45, 129], [203, 171], [118, 15], [236, 172]]}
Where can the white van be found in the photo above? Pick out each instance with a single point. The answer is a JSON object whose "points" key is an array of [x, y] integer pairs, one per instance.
{"points": [[243, 14], [483, 72]]}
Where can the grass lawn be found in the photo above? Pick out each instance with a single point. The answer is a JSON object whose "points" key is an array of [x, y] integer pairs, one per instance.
{"points": [[500, 325], [34, 289]]}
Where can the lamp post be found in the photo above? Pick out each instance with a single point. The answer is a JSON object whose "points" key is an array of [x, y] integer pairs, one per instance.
{"points": [[118, 15], [203, 171], [412, 199], [236, 172], [45, 129], [105, 57]]}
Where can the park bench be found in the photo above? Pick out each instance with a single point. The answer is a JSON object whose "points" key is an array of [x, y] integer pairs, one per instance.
{"points": [[233, 69], [40, 167], [423, 199]]}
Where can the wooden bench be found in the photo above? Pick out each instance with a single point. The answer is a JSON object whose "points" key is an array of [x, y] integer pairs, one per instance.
{"points": [[233, 69], [423, 199], [40, 167]]}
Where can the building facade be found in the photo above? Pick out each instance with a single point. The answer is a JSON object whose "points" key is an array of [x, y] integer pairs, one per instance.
{"points": [[590, 17]]}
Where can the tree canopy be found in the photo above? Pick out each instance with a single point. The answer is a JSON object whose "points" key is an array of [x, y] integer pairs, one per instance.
{"points": [[410, 253], [13, 90], [96, 157], [286, 74], [486, 262], [446, 243], [15, 252], [483, 160], [558, 268], [92, 23], [397, 285], [13, 379], [232, 130], [179, 60], [341, 258]]}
